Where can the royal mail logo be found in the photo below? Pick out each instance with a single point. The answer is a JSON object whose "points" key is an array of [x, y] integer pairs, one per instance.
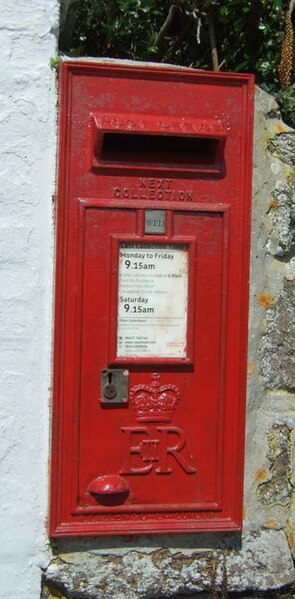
{"points": [[154, 402]]}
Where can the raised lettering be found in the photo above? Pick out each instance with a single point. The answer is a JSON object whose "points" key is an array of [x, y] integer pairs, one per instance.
{"points": [[134, 450], [153, 189], [173, 450], [149, 450]]}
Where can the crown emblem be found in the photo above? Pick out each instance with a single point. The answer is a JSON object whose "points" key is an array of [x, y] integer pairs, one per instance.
{"points": [[154, 402]]}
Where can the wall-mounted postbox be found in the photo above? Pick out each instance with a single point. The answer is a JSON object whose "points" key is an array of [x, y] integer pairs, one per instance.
{"points": [[151, 300]]}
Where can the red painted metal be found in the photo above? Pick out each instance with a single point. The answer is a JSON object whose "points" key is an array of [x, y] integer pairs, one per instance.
{"points": [[133, 139]]}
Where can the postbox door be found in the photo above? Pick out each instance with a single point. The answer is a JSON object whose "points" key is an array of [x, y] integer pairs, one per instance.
{"points": [[162, 449]]}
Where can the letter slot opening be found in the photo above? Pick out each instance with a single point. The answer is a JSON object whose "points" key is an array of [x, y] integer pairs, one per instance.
{"points": [[160, 151]]}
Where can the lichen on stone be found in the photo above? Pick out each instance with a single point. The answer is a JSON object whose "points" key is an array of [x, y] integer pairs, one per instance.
{"points": [[278, 347], [281, 213], [278, 489], [283, 146]]}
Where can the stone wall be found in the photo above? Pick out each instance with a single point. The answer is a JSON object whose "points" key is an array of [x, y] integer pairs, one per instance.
{"points": [[261, 560]]}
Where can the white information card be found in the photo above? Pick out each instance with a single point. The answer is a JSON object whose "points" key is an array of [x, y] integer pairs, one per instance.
{"points": [[152, 300]]}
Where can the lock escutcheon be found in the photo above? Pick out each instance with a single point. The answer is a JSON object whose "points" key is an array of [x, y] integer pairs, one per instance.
{"points": [[114, 386]]}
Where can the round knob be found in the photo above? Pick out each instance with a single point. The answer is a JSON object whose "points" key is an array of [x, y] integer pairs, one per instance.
{"points": [[110, 489]]}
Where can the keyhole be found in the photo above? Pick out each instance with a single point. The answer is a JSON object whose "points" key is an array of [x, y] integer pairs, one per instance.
{"points": [[110, 389]]}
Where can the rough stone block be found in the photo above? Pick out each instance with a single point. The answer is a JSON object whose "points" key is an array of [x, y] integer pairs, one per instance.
{"points": [[278, 350], [165, 573]]}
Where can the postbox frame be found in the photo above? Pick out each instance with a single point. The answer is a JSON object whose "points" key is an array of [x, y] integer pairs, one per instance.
{"points": [[65, 444]]}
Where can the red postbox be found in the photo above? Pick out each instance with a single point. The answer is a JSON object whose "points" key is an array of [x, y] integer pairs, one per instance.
{"points": [[151, 299]]}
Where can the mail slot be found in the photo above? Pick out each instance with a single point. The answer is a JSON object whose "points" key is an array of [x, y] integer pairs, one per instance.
{"points": [[183, 144], [152, 264]]}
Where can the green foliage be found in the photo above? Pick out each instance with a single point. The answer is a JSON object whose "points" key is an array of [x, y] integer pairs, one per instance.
{"points": [[286, 101], [54, 62], [248, 35]]}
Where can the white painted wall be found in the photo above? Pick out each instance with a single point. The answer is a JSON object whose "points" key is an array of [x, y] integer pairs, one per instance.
{"points": [[27, 167]]}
